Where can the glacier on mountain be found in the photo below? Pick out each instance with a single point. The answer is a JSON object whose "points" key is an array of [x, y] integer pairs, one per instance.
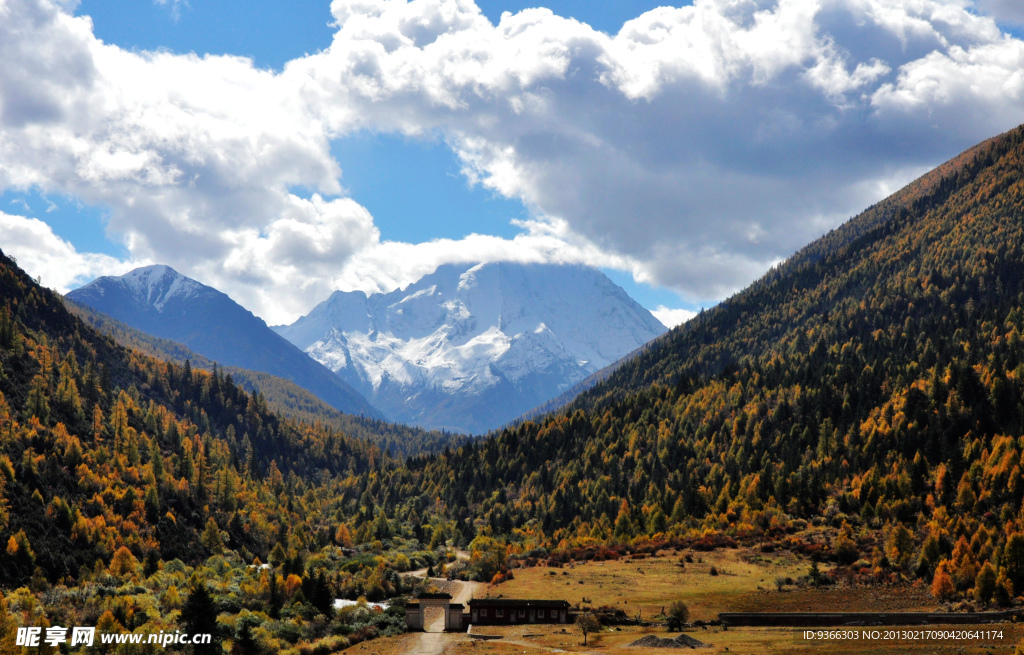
{"points": [[471, 347]]}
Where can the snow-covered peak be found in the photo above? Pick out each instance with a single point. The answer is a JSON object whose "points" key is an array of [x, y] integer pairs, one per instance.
{"points": [[345, 311], [523, 331], [156, 285]]}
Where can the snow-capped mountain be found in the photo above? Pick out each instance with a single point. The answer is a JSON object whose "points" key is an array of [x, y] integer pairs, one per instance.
{"points": [[162, 302], [470, 348]]}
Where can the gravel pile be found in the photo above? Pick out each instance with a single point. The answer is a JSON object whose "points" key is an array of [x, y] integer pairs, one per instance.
{"points": [[682, 641]]}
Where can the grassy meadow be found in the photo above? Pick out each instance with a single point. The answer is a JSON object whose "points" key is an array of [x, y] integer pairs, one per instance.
{"points": [[745, 581]]}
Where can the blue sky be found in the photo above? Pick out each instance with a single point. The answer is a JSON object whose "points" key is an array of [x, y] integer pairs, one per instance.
{"points": [[691, 151], [416, 192], [69, 218], [272, 33], [413, 187]]}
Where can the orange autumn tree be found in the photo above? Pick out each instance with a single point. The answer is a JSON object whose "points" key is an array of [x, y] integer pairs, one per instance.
{"points": [[942, 585]]}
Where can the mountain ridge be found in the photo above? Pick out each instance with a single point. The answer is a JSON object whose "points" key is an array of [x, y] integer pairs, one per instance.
{"points": [[473, 346], [874, 390], [164, 303], [104, 447], [890, 214], [861, 411], [283, 397]]}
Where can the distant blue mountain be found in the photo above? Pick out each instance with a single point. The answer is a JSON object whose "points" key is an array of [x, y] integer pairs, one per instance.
{"points": [[164, 303]]}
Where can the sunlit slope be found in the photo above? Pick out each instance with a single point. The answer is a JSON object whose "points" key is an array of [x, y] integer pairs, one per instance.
{"points": [[103, 447], [878, 374], [954, 222]]}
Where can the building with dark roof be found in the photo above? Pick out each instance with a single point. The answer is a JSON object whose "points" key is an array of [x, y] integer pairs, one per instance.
{"points": [[505, 611]]}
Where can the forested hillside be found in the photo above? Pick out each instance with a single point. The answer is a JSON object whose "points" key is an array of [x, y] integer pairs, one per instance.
{"points": [[863, 404], [104, 447], [284, 397], [707, 344], [874, 383], [138, 495], [900, 234]]}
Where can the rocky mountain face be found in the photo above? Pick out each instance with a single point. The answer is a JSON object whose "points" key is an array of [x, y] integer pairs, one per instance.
{"points": [[164, 303], [470, 348]]}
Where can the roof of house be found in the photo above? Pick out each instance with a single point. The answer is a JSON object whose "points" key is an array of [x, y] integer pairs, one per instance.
{"points": [[518, 602], [438, 596]]}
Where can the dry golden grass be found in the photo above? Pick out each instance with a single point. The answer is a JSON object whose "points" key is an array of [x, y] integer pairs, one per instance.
{"points": [[648, 585], [745, 583]]}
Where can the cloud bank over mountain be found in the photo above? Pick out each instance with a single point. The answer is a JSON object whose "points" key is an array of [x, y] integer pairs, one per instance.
{"points": [[694, 148], [49, 256]]}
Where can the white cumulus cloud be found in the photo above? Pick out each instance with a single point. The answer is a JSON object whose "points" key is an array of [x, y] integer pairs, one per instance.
{"points": [[670, 318], [693, 148], [704, 141], [53, 260], [392, 264]]}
